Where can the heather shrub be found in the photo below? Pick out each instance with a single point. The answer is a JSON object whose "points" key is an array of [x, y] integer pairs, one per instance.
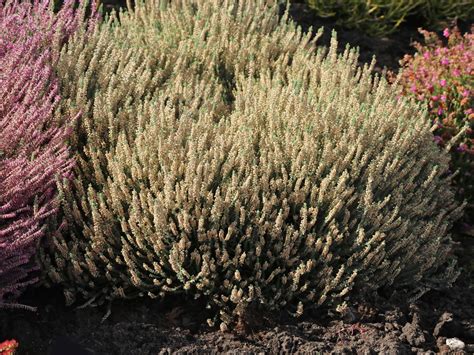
{"points": [[223, 156], [439, 12], [442, 76], [374, 17], [32, 146], [381, 17]]}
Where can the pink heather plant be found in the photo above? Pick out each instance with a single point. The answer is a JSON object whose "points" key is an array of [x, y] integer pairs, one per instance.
{"points": [[441, 74], [33, 151]]}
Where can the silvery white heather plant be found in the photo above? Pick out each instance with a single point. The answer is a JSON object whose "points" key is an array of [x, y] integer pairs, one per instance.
{"points": [[222, 155], [33, 150]]}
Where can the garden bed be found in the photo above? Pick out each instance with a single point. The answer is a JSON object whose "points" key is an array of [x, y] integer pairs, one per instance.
{"points": [[144, 326]]}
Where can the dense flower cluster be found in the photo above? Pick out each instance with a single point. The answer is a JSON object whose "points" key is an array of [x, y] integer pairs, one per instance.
{"points": [[8, 347], [33, 153], [441, 74]]}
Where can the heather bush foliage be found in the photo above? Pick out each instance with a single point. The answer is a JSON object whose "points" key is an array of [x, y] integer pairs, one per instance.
{"points": [[32, 148], [379, 17], [442, 75], [375, 17], [222, 155], [439, 12]]}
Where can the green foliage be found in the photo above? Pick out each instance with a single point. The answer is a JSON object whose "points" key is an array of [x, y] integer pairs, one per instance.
{"points": [[380, 17], [440, 12], [376, 17], [222, 155]]}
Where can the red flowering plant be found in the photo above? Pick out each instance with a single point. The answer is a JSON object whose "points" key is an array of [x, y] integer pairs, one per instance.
{"points": [[441, 74], [8, 347]]}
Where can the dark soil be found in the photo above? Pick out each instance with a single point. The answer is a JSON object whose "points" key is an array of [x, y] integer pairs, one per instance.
{"points": [[143, 326], [147, 327]]}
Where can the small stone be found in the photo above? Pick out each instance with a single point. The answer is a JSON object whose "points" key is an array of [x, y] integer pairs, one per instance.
{"points": [[447, 326], [413, 334], [444, 350], [441, 341], [455, 344]]}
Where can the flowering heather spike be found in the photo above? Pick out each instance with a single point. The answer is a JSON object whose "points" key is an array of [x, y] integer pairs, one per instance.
{"points": [[33, 152]]}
